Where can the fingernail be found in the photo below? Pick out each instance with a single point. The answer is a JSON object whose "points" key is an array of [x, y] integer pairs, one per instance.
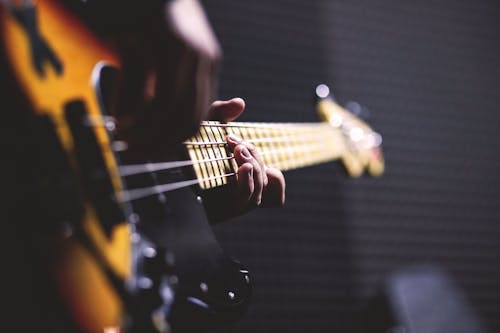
{"points": [[245, 153], [233, 138]]}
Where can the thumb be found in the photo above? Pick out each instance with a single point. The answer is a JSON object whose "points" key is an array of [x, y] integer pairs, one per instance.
{"points": [[225, 111]]}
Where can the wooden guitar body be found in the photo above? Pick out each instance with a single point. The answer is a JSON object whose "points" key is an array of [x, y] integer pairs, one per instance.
{"points": [[114, 264], [51, 85]]}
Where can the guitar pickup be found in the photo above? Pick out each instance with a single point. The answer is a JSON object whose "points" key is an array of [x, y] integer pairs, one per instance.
{"points": [[96, 179]]}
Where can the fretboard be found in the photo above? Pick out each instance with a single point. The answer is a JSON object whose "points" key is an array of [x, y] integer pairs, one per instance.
{"points": [[283, 146]]}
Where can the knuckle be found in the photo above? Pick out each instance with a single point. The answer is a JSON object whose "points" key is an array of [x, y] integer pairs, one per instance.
{"points": [[251, 147], [237, 149]]}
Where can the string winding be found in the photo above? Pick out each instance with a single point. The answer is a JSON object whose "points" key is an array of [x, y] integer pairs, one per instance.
{"points": [[139, 193], [135, 169]]}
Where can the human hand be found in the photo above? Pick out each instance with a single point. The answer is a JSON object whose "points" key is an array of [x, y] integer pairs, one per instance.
{"points": [[167, 79], [258, 184]]}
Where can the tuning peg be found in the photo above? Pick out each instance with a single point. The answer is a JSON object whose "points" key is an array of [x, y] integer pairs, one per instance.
{"points": [[323, 92], [358, 110]]}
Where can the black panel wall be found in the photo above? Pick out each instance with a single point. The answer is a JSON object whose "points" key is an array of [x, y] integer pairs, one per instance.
{"points": [[429, 73]]}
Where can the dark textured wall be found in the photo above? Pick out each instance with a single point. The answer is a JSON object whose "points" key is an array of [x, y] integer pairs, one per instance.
{"points": [[429, 72]]}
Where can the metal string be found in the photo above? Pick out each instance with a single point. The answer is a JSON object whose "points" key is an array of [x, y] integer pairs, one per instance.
{"points": [[139, 193], [135, 169]]}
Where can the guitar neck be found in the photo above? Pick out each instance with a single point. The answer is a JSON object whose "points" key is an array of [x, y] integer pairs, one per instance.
{"points": [[284, 146]]}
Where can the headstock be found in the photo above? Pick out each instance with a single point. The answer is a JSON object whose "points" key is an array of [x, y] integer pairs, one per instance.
{"points": [[362, 145]]}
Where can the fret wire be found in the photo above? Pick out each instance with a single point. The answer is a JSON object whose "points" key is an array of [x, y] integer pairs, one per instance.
{"points": [[216, 151], [269, 145], [278, 145], [225, 151], [318, 156], [207, 152], [204, 168], [286, 138], [205, 135], [214, 133], [300, 146], [238, 131], [235, 131], [302, 155], [242, 131], [287, 166], [288, 162], [291, 150], [287, 155], [261, 146], [289, 147], [250, 133], [253, 141], [314, 139]]}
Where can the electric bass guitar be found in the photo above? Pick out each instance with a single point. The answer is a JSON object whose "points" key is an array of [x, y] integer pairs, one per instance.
{"points": [[128, 247]]}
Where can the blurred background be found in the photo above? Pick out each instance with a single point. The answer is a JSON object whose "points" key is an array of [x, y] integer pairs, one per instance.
{"points": [[428, 76]]}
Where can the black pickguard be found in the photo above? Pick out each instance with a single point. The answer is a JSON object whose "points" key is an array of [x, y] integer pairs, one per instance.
{"points": [[180, 250]]}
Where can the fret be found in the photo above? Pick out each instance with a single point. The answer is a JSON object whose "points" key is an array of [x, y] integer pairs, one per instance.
{"points": [[278, 145], [205, 167], [207, 152], [224, 151], [316, 151], [212, 152], [283, 146], [287, 155], [300, 153], [252, 133], [200, 168], [220, 151], [272, 144], [236, 131], [298, 149]]}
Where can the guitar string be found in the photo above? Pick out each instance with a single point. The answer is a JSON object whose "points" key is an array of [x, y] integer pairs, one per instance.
{"points": [[135, 194], [277, 139], [135, 169], [98, 120], [263, 125], [312, 134], [139, 193]]}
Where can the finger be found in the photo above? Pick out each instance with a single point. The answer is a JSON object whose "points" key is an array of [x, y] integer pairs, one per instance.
{"points": [[242, 156], [225, 111], [255, 153], [245, 182], [234, 141], [274, 193]]}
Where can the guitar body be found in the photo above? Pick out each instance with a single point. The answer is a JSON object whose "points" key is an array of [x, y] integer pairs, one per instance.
{"points": [[50, 90], [108, 269]]}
